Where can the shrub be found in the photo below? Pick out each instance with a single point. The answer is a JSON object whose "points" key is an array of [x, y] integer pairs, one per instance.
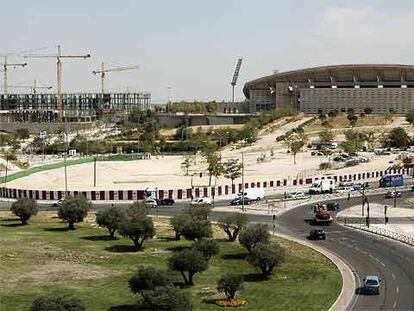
{"points": [[24, 208], [148, 278], [266, 257], [168, 298], [230, 284], [137, 210], [233, 224], [57, 304], [325, 165], [138, 229], [188, 261], [254, 234], [199, 212], [208, 247], [111, 218], [74, 209], [178, 222], [196, 229]]}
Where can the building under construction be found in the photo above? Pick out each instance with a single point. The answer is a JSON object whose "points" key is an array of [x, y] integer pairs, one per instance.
{"points": [[77, 107]]}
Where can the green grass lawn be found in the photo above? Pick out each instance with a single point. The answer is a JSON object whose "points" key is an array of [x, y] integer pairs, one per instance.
{"points": [[43, 258]]}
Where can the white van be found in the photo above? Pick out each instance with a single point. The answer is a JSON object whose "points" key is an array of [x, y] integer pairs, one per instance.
{"points": [[322, 186], [254, 194]]}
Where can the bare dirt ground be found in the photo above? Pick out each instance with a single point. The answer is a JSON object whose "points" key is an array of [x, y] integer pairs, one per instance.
{"points": [[166, 172]]}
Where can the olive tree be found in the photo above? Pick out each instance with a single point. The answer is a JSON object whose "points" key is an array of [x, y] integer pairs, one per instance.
{"points": [[111, 218], [24, 208], [266, 257], [148, 278], [233, 224], [74, 209], [207, 247], [196, 229], [168, 298], [138, 229], [230, 284], [188, 262], [254, 234], [178, 222]]}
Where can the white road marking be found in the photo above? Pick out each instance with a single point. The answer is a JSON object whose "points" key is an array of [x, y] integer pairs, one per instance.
{"points": [[394, 305], [397, 289], [393, 276]]}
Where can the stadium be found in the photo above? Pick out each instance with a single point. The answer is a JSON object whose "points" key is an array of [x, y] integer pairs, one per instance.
{"points": [[369, 88]]}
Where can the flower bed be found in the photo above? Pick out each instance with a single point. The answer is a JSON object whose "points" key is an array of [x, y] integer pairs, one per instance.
{"points": [[234, 303]]}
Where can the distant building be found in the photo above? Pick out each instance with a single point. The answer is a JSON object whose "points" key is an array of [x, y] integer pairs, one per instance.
{"points": [[77, 107], [374, 88]]}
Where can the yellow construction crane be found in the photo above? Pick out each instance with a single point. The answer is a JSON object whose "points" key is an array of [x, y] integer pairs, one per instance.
{"points": [[5, 66], [33, 87], [59, 58], [103, 72]]}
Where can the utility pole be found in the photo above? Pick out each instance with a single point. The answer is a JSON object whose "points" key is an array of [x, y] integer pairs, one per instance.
{"points": [[5, 76], [242, 181], [94, 172], [7, 165], [395, 196]]}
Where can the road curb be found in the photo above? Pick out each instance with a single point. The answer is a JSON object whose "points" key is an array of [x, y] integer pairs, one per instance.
{"points": [[346, 296]]}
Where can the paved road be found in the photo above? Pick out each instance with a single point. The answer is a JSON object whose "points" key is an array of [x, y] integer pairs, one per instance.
{"points": [[365, 253]]}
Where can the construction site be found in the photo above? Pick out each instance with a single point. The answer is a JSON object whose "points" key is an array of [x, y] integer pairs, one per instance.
{"points": [[39, 106]]}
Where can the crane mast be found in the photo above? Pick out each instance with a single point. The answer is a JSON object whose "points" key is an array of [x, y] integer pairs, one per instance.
{"points": [[5, 76], [103, 72]]}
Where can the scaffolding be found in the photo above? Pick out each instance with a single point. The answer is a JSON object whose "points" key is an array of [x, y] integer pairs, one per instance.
{"points": [[77, 107]]}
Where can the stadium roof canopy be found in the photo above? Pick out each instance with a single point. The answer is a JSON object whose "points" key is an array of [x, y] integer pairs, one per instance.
{"points": [[346, 75]]}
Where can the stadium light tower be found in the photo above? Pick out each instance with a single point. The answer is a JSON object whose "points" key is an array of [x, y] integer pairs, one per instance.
{"points": [[234, 80]]}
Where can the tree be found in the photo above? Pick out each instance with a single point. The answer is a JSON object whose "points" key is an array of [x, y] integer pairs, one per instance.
{"points": [[186, 164], [233, 224], [214, 165], [196, 229], [295, 147], [178, 222], [168, 298], [74, 209], [111, 218], [254, 234], [266, 257], [207, 247], [57, 304], [199, 212], [138, 229], [352, 118], [232, 169], [410, 116], [148, 278], [354, 141], [188, 261], [398, 138], [326, 136], [230, 284], [367, 110], [137, 210], [24, 208]]}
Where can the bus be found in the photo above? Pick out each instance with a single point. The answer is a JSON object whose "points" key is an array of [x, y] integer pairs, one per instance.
{"points": [[391, 180]]}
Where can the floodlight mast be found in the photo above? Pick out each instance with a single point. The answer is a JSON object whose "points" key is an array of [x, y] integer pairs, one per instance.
{"points": [[235, 77]]}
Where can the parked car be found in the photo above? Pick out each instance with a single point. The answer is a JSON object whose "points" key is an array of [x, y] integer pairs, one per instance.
{"points": [[359, 186], [201, 202], [346, 183], [317, 234], [372, 284], [57, 203], [345, 190], [239, 201], [151, 203], [332, 206], [412, 188], [339, 159], [392, 194], [166, 201], [298, 195]]}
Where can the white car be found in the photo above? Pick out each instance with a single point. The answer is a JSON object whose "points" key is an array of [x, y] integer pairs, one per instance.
{"points": [[57, 203], [150, 202], [345, 190], [346, 183], [298, 195], [201, 202]]}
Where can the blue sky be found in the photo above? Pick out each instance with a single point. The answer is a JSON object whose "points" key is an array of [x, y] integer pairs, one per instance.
{"points": [[192, 46]]}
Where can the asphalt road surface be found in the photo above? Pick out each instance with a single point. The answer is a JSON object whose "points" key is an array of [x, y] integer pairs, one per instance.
{"points": [[365, 253]]}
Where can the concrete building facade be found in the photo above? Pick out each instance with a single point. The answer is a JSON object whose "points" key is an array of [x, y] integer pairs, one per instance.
{"points": [[379, 88]]}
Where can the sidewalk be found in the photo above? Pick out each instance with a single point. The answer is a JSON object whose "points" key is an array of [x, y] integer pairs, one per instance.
{"points": [[403, 231]]}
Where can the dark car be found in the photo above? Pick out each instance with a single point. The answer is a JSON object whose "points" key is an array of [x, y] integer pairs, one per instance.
{"points": [[332, 206], [317, 234], [167, 201], [360, 186], [239, 201], [392, 194]]}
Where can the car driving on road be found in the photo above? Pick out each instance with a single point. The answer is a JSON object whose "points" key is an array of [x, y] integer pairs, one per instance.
{"points": [[372, 284], [392, 194], [298, 195], [239, 201], [317, 234]]}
